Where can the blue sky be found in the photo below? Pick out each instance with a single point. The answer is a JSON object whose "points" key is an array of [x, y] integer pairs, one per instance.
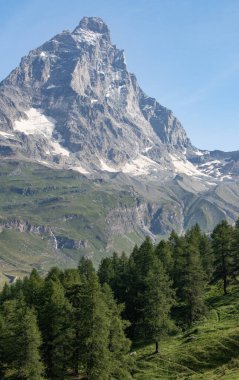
{"points": [[185, 53]]}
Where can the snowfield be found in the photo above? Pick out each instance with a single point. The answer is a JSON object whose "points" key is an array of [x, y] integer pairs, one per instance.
{"points": [[39, 124]]}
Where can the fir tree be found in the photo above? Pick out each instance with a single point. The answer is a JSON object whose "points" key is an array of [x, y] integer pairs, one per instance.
{"points": [[164, 252], [20, 341], [194, 284], [119, 345], [222, 238], [158, 300], [31, 366], [178, 245], [93, 325], [234, 263], [55, 323]]}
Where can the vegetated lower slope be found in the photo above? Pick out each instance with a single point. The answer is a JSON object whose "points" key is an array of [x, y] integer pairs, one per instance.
{"points": [[208, 351], [50, 216], [80, 320]]}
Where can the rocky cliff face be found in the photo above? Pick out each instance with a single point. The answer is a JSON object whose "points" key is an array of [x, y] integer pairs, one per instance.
{"points": [[73, 103]]}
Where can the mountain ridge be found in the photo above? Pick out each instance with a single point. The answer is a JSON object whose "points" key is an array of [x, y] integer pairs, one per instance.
{"points": [[87, 68]]}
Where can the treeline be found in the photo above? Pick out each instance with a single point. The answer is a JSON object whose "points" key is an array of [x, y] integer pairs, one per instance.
{"points": [[66, 323], [82, 322], [163, 286]]}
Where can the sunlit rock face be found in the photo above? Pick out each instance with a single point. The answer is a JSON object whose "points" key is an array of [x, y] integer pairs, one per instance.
{"points": [[72, 103]]}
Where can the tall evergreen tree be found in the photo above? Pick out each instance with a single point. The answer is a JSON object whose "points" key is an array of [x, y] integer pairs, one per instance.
{"points": [[222, 238], [119, 345], [32, 289], [55, 324], [20, 342], [158, 300], [194, 284], [72, 283], [93, 326], [31, 366], [234, 264], [178, 245], [207, 256], [164, 251]]}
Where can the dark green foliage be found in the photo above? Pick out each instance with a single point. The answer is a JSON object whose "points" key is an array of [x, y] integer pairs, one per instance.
{"points": [[79, 321], [158, 299], [164, 251], [222, 239], [194, 285], [20, 342], [93, 325], [178, 247], [55, 324], [235, 251], [31, 367], [119, 345], [207, 256]]}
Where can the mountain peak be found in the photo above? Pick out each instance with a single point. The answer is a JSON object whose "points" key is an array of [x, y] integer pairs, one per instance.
{"points": [[93, 24]]}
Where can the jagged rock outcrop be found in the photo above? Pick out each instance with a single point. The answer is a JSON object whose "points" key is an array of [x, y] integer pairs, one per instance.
{"points": [[73, 103], [57, 242]]}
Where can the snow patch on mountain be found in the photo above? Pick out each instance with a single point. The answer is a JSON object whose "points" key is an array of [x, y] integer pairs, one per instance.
{"points": [[80, 169], [6, 135], [105, 167], [36, 123], [140, 166], [39, 124], [184, 166]]}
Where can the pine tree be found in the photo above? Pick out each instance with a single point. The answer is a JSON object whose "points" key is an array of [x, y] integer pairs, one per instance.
{"points": [[55, 324], [93, 325], [158, 300], [202, 243], [72, 283], [31, 366], [222, 238], [106, 271], [194, 284], [207, 256], [20, 341], [234, 263], [5, 293], [139, 264], [178, 245], [2, 348], [164, 252], [144, 257], [32, 289], [119, 345]]}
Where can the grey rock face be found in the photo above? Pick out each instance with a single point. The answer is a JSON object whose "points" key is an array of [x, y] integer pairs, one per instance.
{"points": [[79, 83]]}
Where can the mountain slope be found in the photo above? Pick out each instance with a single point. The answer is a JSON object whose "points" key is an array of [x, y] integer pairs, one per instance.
{"points": [[72, 102], [209, 351], [90, 163]]}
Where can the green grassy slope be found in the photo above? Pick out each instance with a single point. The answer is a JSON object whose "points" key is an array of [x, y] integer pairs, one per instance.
{"points": [[64, 201], [109, 213], [210, 350]]}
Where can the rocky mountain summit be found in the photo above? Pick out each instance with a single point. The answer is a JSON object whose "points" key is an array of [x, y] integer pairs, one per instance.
{"points": [[73, 107], [72, 103]]}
